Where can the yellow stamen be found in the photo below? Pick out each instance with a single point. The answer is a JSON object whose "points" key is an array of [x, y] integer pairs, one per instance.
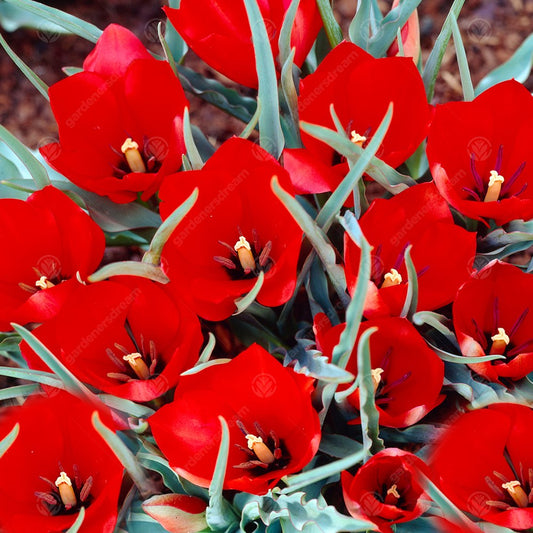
{"points": [[495, 186], [260, 449], [392, 496], [138, 365], [357, 139], [392, 278], [43, 283], [130, 149], [516, 492], [499, 342], [376, 377], [66, 492], [244, 252]]}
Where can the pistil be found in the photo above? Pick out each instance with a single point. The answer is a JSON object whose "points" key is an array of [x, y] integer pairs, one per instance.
{"points": [[499, 342], [130, 149], [66, 491], [391, 278], [516, 492], [138, 365], [44, 283], [376, 377], [261, 450], [392, 496], [494, 188], [244, 253], [357, 139]]}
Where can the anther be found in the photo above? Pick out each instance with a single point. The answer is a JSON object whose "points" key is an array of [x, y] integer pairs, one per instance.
{"points": [[494, 188], [391, 278], [138, 365], [244, 252], [516, 492], [499, 342], [357, 139], [43, 283], [66, 492], [260, 449]]}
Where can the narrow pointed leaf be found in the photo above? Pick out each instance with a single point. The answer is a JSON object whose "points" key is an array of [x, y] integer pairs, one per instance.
{"points": [[75, 527], [9, 439], [37, 376], [432, 67], [270, 134], [411, 298], [34, 167], [192, 151], [284, 41], [243, 303], [126, 406], [72, 383], [69, 22], [219, 513], [464, 70], [250, 127], [333, 30], [153, 255], [18, 390], [129, 268], [124, 455], [27, 71]]}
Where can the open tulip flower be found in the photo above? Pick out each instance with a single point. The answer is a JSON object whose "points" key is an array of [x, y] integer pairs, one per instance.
{"points": [[479, 151], [360, 89], [220, 32], [419, 217], [120, 120], [237, 229], [133, 342], [387, 489], [57, 465], [51, 241], [485, 465], [491, 319], [407, 375], [274, 430]]}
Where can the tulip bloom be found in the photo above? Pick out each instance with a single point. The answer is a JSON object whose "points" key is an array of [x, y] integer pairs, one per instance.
{"points": [[407, 375], [485, 464], [274, 430], [386, 490], [177, 513], [420, 217], [220, 32], [491, 315], [236, 229], [57, 464], [120, 120], [49, 241], [478, 153], [133, 342], [360, 88]]}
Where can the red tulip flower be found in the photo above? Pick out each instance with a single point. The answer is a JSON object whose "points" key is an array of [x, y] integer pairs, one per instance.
{"points": [[236, 229], [274, 430], [491, 315], [220, 32], [407, 375], [120, 120], [360, 88], [478, 153], [386, 490], [134, 340], [57, 465], [49, 241], [485, 464], [420, 217]]}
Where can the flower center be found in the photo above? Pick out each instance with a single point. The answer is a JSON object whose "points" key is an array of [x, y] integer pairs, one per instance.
{"points": [[44, 283], [65, 496], [391, 278], [264, 451], [392, 496], [136, 362], [357, 139], [516, 492], [494, 188], [499, 342], [247, 259], [141, 364], [130, 149]]}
